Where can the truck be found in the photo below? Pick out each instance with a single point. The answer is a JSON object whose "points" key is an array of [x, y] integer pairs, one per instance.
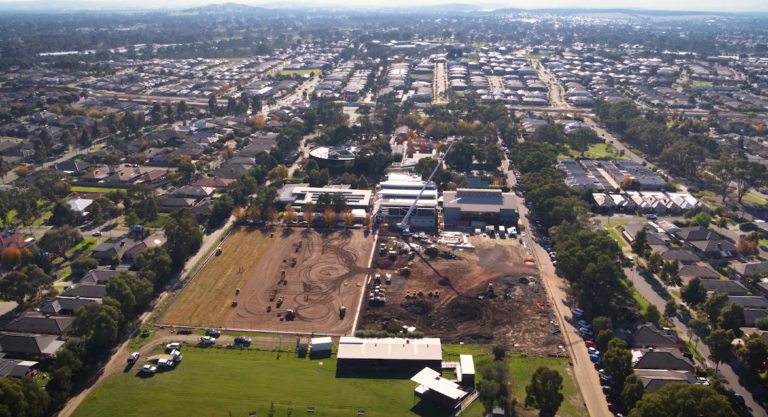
{"points": [[342, 312], [513, 232], [382, 249], [502, 232]]}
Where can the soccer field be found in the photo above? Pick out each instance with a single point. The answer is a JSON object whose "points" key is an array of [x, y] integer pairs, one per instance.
{"points": [[219, 381]]}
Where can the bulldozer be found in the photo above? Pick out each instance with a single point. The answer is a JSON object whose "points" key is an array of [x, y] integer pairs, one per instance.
{"points": [[447, 254], [404, 271]]}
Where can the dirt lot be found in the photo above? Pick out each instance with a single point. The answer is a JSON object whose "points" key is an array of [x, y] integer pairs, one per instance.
{"points": [[329, 272], [465, 311]]}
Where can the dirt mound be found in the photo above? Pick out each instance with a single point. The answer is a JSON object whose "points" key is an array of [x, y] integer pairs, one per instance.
{"points": [[419, 307], [463, 309]]}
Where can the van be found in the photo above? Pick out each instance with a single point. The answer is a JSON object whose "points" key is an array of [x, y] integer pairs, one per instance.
{"points": [[173, 345]]}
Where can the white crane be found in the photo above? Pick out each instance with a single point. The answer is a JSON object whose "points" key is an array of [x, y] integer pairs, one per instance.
{"points": [[404, 225]]}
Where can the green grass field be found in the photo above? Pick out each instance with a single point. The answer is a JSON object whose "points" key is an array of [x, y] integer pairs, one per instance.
{"points": [[216, 381], [755, 199], [220, 382], [299, 72], [642, 302], [616, 235], [599, 150], [95, 189]]}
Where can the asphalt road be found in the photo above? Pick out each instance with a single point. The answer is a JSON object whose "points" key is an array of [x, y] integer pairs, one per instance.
{"points": [[557, 288]]}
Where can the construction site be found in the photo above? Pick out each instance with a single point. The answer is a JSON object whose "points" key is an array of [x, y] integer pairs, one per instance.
{"points": [[307, 282], [478, 290]]}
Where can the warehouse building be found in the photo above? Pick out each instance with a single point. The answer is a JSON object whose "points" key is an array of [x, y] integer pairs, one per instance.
{"points": [[488, 205], [392, 353]]}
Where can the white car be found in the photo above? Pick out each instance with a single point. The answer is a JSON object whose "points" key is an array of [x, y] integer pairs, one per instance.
{"points": [[173, 345], [207, 340], [166, 362], [134, 357], [148, 369], [583, 323]]}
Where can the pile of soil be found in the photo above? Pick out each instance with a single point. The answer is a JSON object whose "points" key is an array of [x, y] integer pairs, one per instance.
{"points": [[419, 307]]}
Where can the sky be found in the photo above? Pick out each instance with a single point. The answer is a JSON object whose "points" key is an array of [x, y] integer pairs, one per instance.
{"points": [[694, 5]]}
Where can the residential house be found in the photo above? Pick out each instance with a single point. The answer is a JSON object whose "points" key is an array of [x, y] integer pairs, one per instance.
{"points": [[751, 316], [71, 167], [40, 324], [34, 345], [15, 367], [749, 302], [696, 233], [203, 207], [80, 206], [715, 250], [65, 306], [124, 176], [99, 277], [747, 269], [97, 175], [655, 379], [85, 290], [230, 171], [215, 182], [649, 335], [661, 359], [192, 150], [152, 177], [701, 271], [734, 288], [167, 203], [683, 256]]}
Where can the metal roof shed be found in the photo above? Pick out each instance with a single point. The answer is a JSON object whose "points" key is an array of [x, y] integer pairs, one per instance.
{"points": [[436, 388]]}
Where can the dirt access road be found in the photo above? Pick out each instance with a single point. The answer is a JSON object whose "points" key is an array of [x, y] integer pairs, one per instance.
{"points": [[117, 362], [586, 376]]}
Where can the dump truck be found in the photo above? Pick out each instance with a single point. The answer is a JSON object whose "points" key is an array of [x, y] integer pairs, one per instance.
{"points": [[280, 301], [293, 262], [431, 251], [342, 312], [273, 295], [404, 271], [448, 254], [383, 249]]}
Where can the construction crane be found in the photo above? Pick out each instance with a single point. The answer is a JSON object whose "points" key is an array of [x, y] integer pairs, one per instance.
{"points": [[404, 225]]}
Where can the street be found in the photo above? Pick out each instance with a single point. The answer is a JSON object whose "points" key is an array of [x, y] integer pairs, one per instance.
{"points": [[586, 375]]}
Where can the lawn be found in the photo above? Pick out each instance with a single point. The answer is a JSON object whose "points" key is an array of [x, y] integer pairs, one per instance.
{"points": [[299, 72], [617, 236], [755, 199], [615, 224], [642, 302], [702, 83], [695, 351], [599, 150], [205, 302], [94, 189], [227, 382]]}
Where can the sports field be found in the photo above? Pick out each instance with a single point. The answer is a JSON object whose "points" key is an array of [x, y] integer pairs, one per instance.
{"points": [[300, 72], [229, 382], [206, 302]]}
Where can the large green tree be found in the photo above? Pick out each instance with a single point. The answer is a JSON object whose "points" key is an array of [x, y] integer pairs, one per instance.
{"points": [[59, 241], [617, 361], [183, 234], [720, 347], [675, 400], [694, 292], [633, 391], [544, 393]]}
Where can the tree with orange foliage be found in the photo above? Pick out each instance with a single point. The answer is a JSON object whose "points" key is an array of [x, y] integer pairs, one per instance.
{"points": [[10, 256], [227, 153], [272, 214], [149, 101], [308, 213], [130, 99], [760, 128], [329, 216], [26, 257], [347, 217], [22, 171], [627, 183], [747, 248], [239, 213], [290, 215], [367, 220], [258, 122], [253, 213]]}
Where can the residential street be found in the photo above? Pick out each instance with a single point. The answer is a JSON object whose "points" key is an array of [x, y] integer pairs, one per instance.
{"points": [[584, 371]]}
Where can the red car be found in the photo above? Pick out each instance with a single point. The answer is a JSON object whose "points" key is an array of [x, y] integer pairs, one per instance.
{"points": [[613, 408], [590, 344]]}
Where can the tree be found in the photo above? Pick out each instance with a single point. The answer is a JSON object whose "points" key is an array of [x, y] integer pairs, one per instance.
{"points": [[683, 400], [721, 174], [82, 265], [97, 215], [329, 216], [253, 213], [544, 393], [59, 241], [754, 352], [747, 175], [238, 213], [278, 173], [670, 309], [99, 323], [652, 314], [732, 318], [85, 138], [654, 262], [601, 323], [603, 338], [747, 248], [16, 286], [640, 244], [694, 293], [362, 183], [131, 219], [183, 235], [22, 171], [271, 214], [633, 391], [720, 347], [367, 220], [762, 323], [290, 215], [347, 217], [3, 169], [499, 352], [23, 397], [155, 260], [10, 256], [714, 305], [186, 168], [67, 139], [702, 219], [617, 361]]}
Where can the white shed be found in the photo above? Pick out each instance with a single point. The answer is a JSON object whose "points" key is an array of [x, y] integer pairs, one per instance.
{"points": [[321, 344]]}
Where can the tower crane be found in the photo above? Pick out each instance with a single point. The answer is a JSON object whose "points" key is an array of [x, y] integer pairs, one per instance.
{"points": [[404, 225]]}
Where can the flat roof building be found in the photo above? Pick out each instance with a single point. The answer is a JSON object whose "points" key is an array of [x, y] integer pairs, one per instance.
{"points": [[490, 205], [434, 387], [300, 194], [391, 353]]}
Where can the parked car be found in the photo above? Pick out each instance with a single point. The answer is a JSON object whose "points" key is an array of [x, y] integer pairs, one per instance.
{"points": [[212, 332], [97, 234], [134, 357], [608, 390], [739, 399], [589, 343], [577, 312], [585, 324], [207, 340], [593, 351], [242, 340], [173, 345], [148, 369], [166, 362], [651, 217], [584, 332], [594, 358]]}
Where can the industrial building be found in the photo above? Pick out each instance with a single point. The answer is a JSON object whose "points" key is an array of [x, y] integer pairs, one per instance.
{"points": [[300, 194], [488, 205], [396, 195], [391, 353]]}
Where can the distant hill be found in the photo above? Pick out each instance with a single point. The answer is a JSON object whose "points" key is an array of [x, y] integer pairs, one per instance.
{"points": [[638, 13], [224, 8]]}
